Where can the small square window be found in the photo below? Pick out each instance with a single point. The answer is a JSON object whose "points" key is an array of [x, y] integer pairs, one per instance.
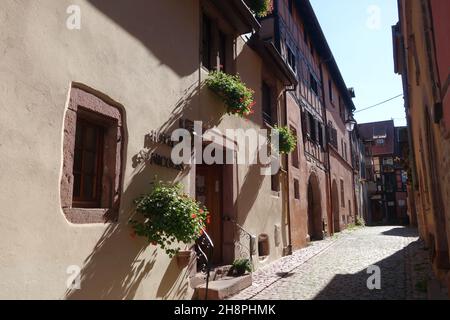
{"points": [[296, 189], [275, 182], [294, 154]]}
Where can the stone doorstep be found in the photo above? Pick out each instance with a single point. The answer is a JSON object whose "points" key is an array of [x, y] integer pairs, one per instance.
{"points": [[215, 274], [225, 287]]}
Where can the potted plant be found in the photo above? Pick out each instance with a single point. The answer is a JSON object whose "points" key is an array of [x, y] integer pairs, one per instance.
{"points": [[240, 267], [184, 257], [168, 218], [287, 140], [259, 7], [233, 92]]}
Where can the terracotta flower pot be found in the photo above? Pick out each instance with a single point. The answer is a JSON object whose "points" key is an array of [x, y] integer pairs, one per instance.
{"points": [[183, 258]]}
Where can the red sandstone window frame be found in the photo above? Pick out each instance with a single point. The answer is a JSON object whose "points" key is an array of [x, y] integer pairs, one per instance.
{"points": [[85, 106]]}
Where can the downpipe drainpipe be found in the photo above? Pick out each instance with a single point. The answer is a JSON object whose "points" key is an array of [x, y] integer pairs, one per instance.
{"points": [[288, 184], [327, 151]]}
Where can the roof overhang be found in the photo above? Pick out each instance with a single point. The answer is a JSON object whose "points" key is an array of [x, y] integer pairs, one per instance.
{"points": [[239, 15]]}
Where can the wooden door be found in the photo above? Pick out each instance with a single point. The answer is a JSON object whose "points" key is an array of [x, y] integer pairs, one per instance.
{"points": [[209, 192]]}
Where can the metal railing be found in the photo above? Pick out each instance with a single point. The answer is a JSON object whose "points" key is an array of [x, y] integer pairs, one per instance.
{"points": [[245, 242], [205, 252]]}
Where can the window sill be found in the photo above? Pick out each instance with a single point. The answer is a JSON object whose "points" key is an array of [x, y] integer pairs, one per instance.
{"points": [[88, 215], [275, 194]]}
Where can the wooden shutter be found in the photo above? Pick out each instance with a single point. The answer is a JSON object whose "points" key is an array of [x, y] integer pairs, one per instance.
{"points": [[304, 123], [318, 130]]}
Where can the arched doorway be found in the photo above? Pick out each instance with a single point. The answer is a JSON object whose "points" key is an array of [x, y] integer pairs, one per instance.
{"points": [[315, 225], [335, 207]]}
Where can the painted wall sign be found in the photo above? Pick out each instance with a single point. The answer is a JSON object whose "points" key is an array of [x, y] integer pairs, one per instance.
{"points": [[151, 157]]}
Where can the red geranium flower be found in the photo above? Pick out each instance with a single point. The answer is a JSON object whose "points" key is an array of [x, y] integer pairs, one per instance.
{"points": [[194, 216]]}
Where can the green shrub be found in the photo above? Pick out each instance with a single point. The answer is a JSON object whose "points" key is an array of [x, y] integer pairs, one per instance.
{"points": [[235, 94], [241, 266], [170, 217]]}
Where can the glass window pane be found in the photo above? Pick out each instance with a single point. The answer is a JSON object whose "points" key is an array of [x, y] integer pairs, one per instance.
{"points": [[88, 189], [77, 160], [76, 185], [78, 136], [90, 138], [89, 162]]}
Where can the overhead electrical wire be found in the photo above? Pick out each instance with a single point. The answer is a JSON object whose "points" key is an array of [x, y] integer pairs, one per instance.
{"points": [[378, 104]]}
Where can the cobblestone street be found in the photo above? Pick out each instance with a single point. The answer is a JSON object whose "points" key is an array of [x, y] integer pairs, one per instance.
{"points": [[337, 269]]}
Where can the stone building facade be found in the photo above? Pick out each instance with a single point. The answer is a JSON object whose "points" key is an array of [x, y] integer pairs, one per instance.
{"points": [[421, 55], [386, 152], [321, 190]]}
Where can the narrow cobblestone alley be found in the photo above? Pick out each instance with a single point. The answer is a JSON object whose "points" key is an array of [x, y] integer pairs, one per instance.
{"points": [[337, 269]]}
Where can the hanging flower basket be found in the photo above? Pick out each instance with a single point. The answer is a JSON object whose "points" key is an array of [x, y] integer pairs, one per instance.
{"points": [[169, 218], [234, 93], [260, 8], [184, 257], [287, 140]]}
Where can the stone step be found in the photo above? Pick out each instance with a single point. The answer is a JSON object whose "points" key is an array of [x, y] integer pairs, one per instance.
{"points": [[224, 287], [215, 274]]}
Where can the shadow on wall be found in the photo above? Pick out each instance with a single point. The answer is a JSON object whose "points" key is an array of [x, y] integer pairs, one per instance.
{"points": [[354, 286], [187, 108], [113, 270], [145, 20], [117, 265], [249, 192]]}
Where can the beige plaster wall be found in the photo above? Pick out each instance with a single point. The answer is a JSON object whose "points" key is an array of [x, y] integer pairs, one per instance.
{"points": [[122, 53], [259, 210]]}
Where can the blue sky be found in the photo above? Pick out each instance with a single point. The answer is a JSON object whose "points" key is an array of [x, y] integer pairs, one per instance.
{"points": [[359, 34]]}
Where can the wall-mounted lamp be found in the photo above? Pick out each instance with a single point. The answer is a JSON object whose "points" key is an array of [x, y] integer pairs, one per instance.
{"points": [[350, 124]]}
